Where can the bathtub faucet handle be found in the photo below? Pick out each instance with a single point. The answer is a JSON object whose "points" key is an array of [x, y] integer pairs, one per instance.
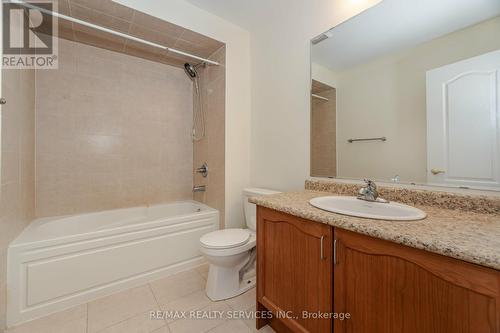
{"points": [[203, 170]]}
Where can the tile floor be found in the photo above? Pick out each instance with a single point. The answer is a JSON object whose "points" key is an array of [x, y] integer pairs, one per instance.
{"points": [[129, 310]]}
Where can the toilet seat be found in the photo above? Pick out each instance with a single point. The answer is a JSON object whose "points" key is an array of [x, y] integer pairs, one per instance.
{"points": [[219, 252], [225, 239]]}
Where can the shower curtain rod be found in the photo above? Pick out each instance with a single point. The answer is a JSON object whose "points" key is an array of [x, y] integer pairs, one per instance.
{"points": [[113, 32]]}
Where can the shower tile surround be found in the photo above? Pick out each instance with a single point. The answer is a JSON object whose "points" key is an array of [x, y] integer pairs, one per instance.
{"points": [[323, 127], [212, 78], [211, 149], [111, 131]]}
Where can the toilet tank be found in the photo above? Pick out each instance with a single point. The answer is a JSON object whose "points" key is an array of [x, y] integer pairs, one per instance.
{"points": [[250, 208]]}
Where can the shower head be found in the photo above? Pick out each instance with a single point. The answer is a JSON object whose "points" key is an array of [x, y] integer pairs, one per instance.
{"points": [[190, 70]]}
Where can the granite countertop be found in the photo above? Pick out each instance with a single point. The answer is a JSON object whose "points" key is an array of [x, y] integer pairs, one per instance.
{"points": [[468, 236]]}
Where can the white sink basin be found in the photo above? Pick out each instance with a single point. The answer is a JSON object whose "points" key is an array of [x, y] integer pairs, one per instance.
{"points": [[374, 210]]}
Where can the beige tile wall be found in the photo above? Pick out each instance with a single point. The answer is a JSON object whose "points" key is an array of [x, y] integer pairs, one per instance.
{"points": [[17, 176], [112, 131], [323, 133], [212, 148], [17, 193]]}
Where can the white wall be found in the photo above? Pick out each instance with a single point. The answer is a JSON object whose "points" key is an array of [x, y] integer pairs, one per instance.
{"points": [[237, 89], [323, 75], [280, 57]]}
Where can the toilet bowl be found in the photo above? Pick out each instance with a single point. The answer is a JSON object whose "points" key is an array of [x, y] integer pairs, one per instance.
{"points": [[231, 254]]}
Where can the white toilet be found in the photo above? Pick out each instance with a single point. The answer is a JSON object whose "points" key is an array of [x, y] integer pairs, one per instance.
{"points": [[231, 254]]}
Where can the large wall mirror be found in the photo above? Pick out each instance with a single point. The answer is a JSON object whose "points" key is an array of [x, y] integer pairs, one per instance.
{"points": [[409, 91]]}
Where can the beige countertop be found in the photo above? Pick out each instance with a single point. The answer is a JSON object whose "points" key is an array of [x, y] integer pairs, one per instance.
{"points": [[468, 236]]}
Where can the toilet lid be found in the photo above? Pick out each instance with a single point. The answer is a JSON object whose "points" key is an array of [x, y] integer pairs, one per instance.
{"points": [[225, 239]]}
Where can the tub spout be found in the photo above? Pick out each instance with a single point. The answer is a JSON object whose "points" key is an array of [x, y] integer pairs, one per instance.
{"points": [[200, 188]]}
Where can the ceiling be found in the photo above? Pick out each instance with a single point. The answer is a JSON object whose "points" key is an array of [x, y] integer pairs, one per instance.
{"points": [[123, 19], [243, 13], [395, 25]]}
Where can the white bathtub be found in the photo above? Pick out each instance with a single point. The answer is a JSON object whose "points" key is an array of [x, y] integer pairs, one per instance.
{"points": [[60, 262]]}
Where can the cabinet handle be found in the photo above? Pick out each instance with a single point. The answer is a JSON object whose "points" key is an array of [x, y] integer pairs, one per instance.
{"points": [[335, 252], [322, 239]]}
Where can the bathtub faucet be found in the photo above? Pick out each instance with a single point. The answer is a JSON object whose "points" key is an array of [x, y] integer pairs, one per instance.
{"points": [[203, 170], [200, 188]]}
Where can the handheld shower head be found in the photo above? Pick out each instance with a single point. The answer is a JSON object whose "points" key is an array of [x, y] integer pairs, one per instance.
{"points": [[198, 111], [190, 71]]}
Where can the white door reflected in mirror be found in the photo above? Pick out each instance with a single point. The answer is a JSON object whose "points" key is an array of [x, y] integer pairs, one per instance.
{"points": [[462, 122]]}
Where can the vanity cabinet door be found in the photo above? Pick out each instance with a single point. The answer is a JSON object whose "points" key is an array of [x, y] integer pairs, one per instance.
{"points": [[387, 287], [294, 271]]}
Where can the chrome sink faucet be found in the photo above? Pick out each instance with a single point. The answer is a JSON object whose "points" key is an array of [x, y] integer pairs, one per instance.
{"points": [[368, 192]]}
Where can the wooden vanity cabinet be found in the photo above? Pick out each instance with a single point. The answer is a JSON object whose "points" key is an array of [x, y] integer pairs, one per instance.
{"points": [[294, 271], [385, 287]]}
